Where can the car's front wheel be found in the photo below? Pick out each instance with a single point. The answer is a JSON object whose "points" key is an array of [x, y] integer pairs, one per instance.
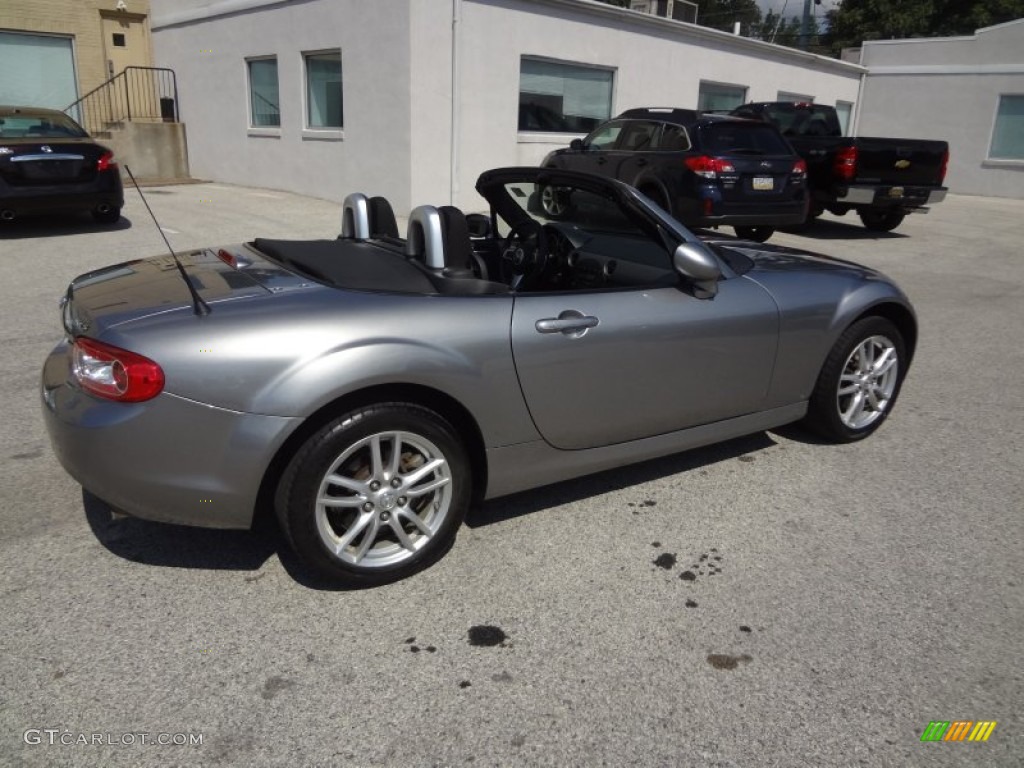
{"points": [[859, 382], [757, 234], [376, 495]]}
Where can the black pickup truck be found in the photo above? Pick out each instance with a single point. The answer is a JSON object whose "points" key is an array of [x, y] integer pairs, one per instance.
{"points": [[881, 179]]}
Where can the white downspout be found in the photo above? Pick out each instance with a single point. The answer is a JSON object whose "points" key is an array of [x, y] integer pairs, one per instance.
{"points": [[453, 187]]}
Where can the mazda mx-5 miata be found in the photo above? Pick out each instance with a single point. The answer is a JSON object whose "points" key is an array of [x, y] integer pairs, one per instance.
{"points": [[370, 388]]}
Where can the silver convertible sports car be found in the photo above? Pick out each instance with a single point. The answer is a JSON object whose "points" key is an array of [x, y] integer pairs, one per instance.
{"points": [[370, 388]]}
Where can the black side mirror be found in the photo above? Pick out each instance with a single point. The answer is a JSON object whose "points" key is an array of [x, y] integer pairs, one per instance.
{"points": [[577, 145], [478, 225]]}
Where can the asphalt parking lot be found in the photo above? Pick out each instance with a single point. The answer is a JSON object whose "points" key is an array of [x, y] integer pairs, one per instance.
{"points": [[844, 596]]}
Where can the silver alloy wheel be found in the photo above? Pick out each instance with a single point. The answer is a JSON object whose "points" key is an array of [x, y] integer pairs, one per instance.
{"points": [[867, 382], [554, 201], [382, 500]]}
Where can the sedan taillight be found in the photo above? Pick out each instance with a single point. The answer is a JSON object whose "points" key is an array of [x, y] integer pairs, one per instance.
{"points": [[114, 373], [845, 166], [945, 165], [709, 167], [106, 162]]}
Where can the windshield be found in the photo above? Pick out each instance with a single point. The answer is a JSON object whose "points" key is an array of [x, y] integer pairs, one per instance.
{"points": [[48, 126], [581, 207]]}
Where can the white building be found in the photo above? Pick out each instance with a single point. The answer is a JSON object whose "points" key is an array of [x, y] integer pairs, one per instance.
{"points": [[412, 99], [966, 90]]}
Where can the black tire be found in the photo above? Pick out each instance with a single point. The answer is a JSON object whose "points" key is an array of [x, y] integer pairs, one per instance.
{"points": [[881, 221], [830, 414], [372, 516], [555, 202], [107, 216], [757, 234]]}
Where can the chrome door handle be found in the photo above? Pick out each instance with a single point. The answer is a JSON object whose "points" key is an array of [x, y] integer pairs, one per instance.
{"points": [[571, 325]]}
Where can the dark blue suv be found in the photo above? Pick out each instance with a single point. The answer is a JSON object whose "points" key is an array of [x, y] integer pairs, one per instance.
{"points": [[706, 170]]}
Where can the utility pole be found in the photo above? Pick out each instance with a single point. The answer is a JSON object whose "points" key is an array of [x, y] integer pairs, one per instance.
{"points": [[805, 25]]}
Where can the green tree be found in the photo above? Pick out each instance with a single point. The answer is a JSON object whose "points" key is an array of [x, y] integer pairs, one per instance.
{"points": [[855, 21]]}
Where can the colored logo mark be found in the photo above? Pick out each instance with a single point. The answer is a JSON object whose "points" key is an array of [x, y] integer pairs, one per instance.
{"points": [[958, 730]]}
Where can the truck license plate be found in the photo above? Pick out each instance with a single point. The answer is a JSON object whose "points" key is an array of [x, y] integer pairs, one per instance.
{"points": [[764, 183]]}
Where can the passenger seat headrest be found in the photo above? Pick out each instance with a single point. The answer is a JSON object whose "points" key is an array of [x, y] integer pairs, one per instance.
{"points": [[382, 218]]}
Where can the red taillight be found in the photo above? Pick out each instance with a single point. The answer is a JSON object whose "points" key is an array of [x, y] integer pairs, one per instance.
{"points": [[846, 163], [114, 373], [106, 162], [945, 164], [709, 167], [227, 258], [800, 168]]}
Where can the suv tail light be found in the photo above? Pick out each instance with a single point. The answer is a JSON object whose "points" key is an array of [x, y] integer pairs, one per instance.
{"points": [[709, 167], [800, 169], [846, 163], [945, 164], [114, 373], [106, 162]]}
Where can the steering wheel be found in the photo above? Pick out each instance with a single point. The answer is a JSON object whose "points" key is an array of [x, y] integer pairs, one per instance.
{"points": [[524, 255]]}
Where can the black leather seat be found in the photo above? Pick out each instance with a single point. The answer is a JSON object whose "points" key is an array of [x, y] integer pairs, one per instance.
{"points": [[382, 219]]}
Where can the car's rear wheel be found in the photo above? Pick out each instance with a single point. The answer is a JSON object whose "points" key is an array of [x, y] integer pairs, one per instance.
{"points": [[757, 234], [106, 214], [881, 221], [376, 495], [859, 382], [556, 202]]}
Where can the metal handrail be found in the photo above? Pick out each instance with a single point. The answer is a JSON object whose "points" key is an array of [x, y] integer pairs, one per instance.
{"points": [[135, 93]]}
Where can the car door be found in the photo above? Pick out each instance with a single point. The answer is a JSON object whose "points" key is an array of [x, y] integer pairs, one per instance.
{"points": [[636, 151], [593, 157], [601, 367]]}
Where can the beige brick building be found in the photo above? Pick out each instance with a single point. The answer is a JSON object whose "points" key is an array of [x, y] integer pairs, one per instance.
{"points": [[54, 51]]}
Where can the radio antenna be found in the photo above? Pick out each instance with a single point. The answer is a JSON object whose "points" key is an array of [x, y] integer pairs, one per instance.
{"points": [[198, 305]]}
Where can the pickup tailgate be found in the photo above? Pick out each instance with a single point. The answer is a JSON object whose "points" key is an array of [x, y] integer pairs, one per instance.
{"points": [[903, 162]]}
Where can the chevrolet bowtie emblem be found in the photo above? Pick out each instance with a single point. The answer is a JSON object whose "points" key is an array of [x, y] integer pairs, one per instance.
{"points": [[46, 148], [902, 164]]}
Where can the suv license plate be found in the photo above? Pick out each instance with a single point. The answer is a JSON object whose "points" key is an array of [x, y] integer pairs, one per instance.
{"points": [[764, 183]]}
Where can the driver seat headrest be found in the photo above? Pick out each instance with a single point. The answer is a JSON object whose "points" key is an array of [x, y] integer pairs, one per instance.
{"points": [[439, 238]]}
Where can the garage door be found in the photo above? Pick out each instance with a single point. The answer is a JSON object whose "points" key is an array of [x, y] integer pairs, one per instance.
{"points": [[38, 70]]}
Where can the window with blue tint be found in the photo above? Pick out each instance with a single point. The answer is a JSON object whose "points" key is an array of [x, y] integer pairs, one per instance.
{"points": [[323, 90], [564, 98], [843, 111], [720, 96], [264, 102], [1008, 134]]}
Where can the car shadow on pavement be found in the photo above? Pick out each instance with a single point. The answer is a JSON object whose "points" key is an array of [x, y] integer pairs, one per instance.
{"points": [[571, 491], [57, 225], [829, 229], [179, 546]]}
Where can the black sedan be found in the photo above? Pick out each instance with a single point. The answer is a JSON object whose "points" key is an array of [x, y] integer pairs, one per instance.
{"points": [[49, 163]]}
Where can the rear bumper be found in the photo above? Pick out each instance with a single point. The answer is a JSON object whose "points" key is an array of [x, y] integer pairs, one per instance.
{"points": [[888, 195], [105, 189], [168, 459], [749, 215]]}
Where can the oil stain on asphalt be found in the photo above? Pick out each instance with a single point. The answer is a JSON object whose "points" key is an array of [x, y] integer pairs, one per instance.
{"points": [[486, 635], [724, 661]]}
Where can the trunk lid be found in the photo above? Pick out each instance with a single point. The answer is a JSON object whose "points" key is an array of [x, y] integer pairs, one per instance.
{"points": [[100, 300], [41, 162]]}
